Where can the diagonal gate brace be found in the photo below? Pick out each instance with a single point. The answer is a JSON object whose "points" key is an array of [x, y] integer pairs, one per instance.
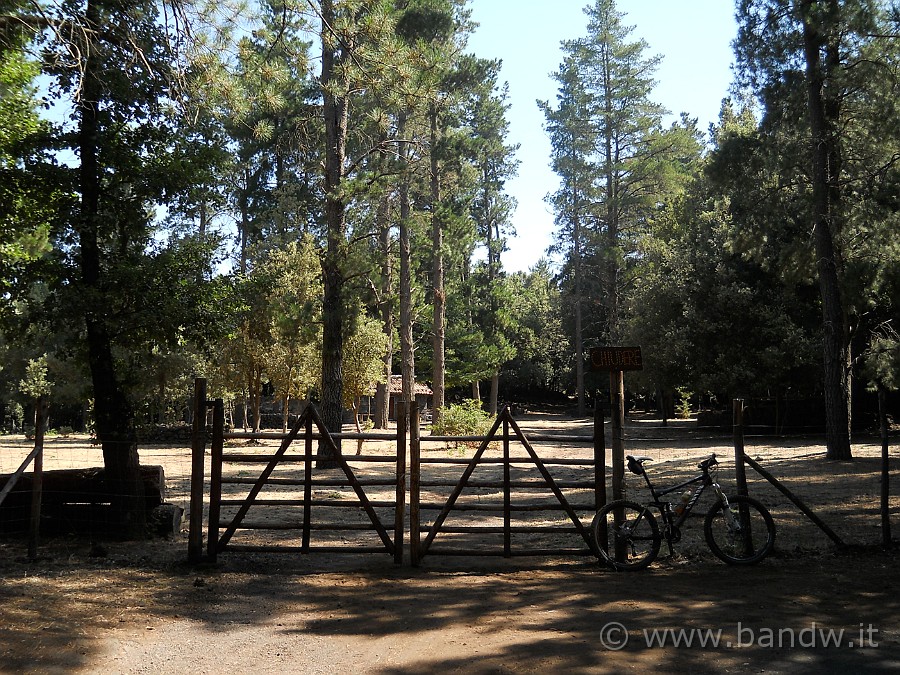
{"points": [[311, 414], [504, 418]]}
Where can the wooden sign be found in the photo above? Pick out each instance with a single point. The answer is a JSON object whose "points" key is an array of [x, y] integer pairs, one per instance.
{"points": [[616, 358]]}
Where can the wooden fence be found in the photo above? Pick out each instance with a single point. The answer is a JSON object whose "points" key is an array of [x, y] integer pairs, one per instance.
{"points": [[37, 457], [520, 508], [289, 509]]}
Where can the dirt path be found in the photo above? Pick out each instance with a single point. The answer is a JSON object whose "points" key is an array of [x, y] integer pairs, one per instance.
{"points": [[266, 615], [139, 608]]}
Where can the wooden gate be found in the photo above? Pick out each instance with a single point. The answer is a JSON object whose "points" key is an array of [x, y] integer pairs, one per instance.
{"points": [[519, 508], [519, 502], [283, 498]]}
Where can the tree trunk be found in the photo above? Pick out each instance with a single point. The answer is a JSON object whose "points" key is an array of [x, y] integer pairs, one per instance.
{"points": [[579, 343], [113, 415], [826, 221], [382, 389], [245, 410], [335, 112], [202, 220], [357, 426], [576, 263], [382, 403], [407, 353], [287, 412], [439, 302], [610, 162], [256, 397], [494, 395], [243, 235]]}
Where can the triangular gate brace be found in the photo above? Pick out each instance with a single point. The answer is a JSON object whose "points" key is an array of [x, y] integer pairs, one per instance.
{"points": [[310, 415], [505, 418]]}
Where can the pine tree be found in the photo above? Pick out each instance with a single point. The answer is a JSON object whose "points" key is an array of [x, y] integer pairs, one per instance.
{"points": [[494, 164], [573, 136], [824, 72], [117, 69], [611, 153]]}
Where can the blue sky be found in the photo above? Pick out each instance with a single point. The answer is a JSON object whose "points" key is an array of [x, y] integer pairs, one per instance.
{"points": [[693, 37]]}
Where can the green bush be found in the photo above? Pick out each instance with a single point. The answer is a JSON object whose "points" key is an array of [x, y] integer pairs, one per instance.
{"points": [[683, 409], [463, 419]]}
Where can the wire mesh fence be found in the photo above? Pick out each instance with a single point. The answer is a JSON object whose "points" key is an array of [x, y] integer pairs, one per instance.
{"points": [[73, 493]]}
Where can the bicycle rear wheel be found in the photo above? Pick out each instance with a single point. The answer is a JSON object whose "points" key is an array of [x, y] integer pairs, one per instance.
{"points": [[743, 534], [629, 529]]}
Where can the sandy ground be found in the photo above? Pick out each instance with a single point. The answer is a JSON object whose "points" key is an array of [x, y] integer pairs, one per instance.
{"points": [[141, 607]]}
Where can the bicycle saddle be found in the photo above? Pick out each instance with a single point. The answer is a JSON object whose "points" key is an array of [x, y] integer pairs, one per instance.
{"points": [[636, 464], [708, 462]]}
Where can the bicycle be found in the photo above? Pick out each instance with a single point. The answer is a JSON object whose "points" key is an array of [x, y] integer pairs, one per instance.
{"points": [[739, 530]]}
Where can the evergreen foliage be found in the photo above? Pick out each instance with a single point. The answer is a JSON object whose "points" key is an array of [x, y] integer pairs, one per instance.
{"points": [[299, 199]]}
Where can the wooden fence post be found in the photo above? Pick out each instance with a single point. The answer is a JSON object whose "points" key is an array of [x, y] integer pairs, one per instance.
{"points": [[404, 431], [198, 450], [599, 461], [400, 508], [740, 473], [507, 492], [215, 478], [37, 484], [617, 420], [885, 467], [307, 483], [415, 451]]}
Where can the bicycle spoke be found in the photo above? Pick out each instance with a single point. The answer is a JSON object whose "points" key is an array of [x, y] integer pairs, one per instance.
{"points": [[743, 533], [626, 535]]}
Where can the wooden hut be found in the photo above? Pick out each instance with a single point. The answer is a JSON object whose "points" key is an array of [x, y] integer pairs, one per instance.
{"points": [[395, 391]]}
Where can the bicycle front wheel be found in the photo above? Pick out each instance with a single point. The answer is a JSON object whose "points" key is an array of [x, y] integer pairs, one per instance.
{"points": [[742, 534], [626, 535]]}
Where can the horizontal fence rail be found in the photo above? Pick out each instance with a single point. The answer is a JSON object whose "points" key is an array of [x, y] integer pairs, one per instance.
{"points": [[467, 517], [286, 493], [457, 504], [496, 495]]}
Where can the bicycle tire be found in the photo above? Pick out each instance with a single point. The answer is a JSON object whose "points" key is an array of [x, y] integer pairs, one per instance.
{"points": [[638, 534], [730, 545]]}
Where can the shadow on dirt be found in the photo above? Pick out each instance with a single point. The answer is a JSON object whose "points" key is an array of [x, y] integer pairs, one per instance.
{"points": [[797, 612], [449, 615]]}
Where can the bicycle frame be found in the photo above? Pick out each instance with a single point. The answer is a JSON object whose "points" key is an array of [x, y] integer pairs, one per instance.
{"points": [[672, 522], [739, 531]]}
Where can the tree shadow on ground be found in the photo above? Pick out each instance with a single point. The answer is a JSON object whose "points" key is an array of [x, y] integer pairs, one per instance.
{"points": [[456, 615], [59, 614]]}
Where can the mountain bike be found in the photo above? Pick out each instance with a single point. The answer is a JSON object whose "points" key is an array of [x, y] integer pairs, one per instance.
{"points": [[738, 530]]}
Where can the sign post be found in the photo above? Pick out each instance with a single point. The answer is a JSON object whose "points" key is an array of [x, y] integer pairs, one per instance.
{"points": [[617, 360], [617, 421]]}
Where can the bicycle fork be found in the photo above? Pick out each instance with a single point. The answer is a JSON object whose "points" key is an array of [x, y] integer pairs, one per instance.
{"points": [[734, 524]]}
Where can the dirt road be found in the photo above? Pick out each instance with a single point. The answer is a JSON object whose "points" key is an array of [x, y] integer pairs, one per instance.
{"points": [[140, 608], [256, 614]]}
